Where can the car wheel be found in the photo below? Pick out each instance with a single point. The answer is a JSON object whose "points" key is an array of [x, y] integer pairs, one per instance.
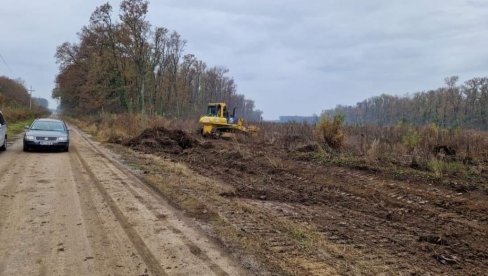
{"points": [[66, 149], [4, 147], [26, 149]]}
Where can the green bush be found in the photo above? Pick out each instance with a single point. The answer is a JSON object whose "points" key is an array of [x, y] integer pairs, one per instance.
{"points": [[411, 139], [440, 168], [330, 130]]}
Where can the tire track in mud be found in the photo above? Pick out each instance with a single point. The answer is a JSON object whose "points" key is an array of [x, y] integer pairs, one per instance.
{"points": [[357, 191], [415, 195], [12, 155], [283, 246], [404, 224], [152, 200], [80, 213], [194, 249], [138, 243], [406, 227], [393, 200], [99, 223], [394, 222], [7, 191], [155, 194], [409, 203], [40, 235]]}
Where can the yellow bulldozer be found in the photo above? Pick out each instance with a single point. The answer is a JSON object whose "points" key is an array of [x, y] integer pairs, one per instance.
{"points": [[219, 123]]}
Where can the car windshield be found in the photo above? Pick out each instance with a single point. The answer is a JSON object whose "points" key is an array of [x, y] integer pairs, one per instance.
{"points": [[48, 125]]}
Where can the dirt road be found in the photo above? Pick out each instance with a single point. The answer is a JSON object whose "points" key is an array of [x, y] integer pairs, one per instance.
{"points": [[81, 213]]}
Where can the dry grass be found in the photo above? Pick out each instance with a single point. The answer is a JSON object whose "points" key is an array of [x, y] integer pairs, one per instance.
{"points": [[115, 128], [16, 114], [398, 144], [425, 142], [429, 150]]}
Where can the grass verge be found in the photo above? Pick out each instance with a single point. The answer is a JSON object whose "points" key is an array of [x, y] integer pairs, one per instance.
{"points": [[17, 127]]}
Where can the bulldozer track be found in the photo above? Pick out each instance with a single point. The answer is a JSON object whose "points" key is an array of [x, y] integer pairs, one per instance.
{"points": [[348, 220]]}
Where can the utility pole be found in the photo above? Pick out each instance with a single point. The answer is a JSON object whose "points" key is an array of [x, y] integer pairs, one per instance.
{"points": [[30, 97]]}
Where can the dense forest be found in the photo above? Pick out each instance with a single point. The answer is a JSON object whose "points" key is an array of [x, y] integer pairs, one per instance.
{"points": [[453, 105], [126, 65]]}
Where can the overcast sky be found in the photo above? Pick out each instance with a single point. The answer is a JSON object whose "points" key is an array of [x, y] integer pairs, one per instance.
{"points": [[292, 57]]}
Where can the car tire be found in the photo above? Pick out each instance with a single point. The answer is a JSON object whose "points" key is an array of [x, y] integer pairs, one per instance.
{"points": [[66, 149], [4, 147], [26, 149]]}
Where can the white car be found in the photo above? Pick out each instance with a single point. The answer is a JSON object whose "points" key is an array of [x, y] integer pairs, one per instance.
{"points": [[3, 133]]}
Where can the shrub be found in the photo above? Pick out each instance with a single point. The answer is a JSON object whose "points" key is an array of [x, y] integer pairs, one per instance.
{"points": [[373, 153], [330, 130], [411, 139], [440, 168]]}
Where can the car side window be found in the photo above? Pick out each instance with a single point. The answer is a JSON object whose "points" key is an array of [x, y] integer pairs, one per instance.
{"points": [[2, 120]]}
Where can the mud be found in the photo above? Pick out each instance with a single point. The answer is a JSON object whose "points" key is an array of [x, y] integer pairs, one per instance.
{"points": [[411, 227]]}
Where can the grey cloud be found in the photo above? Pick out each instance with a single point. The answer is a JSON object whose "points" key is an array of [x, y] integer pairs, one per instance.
{"points": [[291, 57]]}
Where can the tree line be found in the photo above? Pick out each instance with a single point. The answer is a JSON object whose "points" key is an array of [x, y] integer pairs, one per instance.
{"points": [[15, 101], [127, 65], [13, 93], [453, 105]]}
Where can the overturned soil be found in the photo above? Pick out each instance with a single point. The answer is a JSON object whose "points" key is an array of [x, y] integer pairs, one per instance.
{"points": [[171, 141], [403, 226]]}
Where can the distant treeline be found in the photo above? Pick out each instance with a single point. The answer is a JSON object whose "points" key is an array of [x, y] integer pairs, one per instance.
{"points": [[126, 65], [41, 102], [299, 119], [15, 101], [464, 105], [13, 93]]}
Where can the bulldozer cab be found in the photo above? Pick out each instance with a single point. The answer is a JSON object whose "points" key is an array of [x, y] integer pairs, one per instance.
{"points": [[217, 110]]}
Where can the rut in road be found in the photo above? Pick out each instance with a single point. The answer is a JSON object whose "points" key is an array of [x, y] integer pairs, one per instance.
{"points": [[82, 213]]}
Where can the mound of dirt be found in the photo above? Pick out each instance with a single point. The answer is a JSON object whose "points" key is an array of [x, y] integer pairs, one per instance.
{"points": [[162, 139]]}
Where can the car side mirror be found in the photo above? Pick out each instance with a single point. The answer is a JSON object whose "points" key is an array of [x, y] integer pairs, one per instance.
{"points": [[26, 127]]}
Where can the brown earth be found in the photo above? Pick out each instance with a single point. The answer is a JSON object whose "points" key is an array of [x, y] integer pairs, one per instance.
{"points": [[304, 218], [84, 213]]}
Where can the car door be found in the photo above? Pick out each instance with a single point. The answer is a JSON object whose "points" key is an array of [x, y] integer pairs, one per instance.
{"points": [[3, 129]]}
